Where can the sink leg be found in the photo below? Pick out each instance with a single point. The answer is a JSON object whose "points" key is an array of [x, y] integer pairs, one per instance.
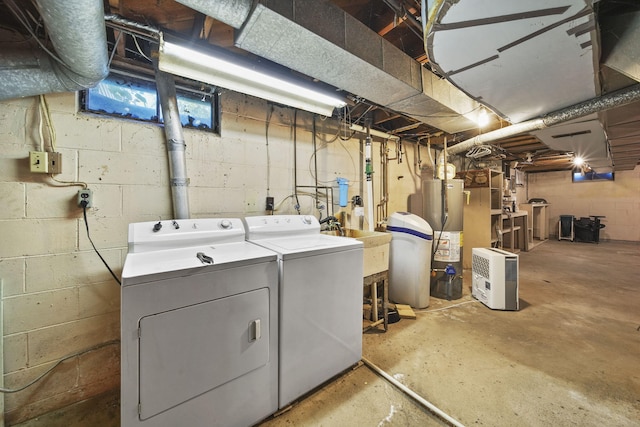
{"points": [[374, 297]]}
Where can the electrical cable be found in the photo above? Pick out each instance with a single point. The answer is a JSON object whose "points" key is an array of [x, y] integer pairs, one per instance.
{"points": [[44, 108], [135, 40], [70, 356], [45, 114], [68, 183], [86, 223]]}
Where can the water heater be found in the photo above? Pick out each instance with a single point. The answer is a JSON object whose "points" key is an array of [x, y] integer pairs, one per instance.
{"points": [[442, 207]]}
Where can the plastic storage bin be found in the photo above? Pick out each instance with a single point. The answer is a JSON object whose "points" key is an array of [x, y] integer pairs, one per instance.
{"points": [[409, 259], [565, 227]]}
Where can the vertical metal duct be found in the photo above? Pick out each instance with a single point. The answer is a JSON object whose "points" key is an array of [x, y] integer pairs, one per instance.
{"points": [[77, 32], [601, 103], [175, 144]]}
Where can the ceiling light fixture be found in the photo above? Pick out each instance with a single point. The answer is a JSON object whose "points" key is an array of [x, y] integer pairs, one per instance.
{"points": [[483, 118], [222, 69]]}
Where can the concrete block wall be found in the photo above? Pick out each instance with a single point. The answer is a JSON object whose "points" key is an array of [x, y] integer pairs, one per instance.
{"points": [[58, 297], [618, 200]]}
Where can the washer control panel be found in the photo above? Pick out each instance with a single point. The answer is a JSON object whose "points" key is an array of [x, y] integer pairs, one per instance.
{"points": [[266, 226]]}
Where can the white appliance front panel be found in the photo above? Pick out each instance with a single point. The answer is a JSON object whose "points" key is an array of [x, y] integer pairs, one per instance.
{"points": [[320, 320], [243, 401], [195, 349]]}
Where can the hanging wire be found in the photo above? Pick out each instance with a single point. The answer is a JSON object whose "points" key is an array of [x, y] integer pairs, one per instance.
{"points": [[135, 40], [86, 223], [45, 373]]}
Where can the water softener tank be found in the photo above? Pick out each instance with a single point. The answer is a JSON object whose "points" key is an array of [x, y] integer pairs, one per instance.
{"points": [[442, 207], [409, 259]]}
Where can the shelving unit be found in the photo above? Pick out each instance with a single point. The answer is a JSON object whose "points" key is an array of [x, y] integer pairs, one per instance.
{"points": [[483, 215], [514, 231], [537, 225]]}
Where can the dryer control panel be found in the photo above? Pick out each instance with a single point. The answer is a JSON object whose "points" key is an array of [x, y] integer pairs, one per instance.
{"points": [[179, 233]]}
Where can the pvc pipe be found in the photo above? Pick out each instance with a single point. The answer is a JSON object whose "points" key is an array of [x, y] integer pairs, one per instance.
{"points": [[370, 204], [369, 177], [421, 400]]}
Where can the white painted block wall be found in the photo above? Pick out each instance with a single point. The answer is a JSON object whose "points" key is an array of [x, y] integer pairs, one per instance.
{"points": [[618, 200], [59, 298]]}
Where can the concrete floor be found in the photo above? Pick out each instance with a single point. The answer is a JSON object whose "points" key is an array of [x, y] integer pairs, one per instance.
{"points": [[570, 356]]}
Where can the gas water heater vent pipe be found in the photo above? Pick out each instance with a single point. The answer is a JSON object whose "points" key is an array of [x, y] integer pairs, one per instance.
{"points": [[369, 173], [175, 144]]}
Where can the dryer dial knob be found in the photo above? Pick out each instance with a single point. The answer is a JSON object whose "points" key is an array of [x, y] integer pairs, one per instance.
{"points": [[225, 223], [307, 219]]}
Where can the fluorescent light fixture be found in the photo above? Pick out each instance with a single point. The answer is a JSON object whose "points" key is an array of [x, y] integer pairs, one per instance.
{"points": [[222, 70]]}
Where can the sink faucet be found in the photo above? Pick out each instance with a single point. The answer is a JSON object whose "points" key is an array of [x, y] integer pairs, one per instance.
{"points": [[332, 222]]}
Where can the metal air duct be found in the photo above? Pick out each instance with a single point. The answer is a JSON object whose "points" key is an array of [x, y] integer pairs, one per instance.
{"points": [[324, 42], [601, 103], [77, 32]]}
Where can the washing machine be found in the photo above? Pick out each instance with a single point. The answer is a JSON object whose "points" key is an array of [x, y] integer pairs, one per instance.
{"points": [[199, 315], [320, 280]]}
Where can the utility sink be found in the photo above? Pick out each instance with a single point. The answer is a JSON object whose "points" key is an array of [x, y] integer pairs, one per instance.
{"points": [[376, 248]]}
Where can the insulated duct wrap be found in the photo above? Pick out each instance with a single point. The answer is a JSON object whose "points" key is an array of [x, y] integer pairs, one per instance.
{"points": [[77, 32], [602, 103], [322, 41]]}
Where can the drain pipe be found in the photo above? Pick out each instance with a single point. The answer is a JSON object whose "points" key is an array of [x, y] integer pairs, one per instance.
{"points": [[369, 173], [601, 103], [421, 400], [175, 144]]}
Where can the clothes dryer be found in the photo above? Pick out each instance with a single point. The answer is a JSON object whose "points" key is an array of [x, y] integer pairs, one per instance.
{"points": [[198, 326]]}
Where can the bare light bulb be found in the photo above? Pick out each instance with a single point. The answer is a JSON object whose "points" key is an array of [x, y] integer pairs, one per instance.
{"points": [[483, 118], [578, 161]]}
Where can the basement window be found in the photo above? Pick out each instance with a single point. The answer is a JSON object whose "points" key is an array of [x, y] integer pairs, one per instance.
{"points": [[137, 99], [592, 176]]}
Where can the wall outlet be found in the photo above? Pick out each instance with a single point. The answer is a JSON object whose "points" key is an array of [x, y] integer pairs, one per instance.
{"points": [[85, 195], [55, 162], [39, 161], [270, 205]]}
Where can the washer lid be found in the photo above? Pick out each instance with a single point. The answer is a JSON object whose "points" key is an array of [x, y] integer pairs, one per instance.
{"points": [[144, 267], [302, 246]]}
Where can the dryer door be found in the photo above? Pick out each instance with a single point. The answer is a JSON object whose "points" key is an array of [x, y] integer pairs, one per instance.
{"points": [[189, 351]]}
